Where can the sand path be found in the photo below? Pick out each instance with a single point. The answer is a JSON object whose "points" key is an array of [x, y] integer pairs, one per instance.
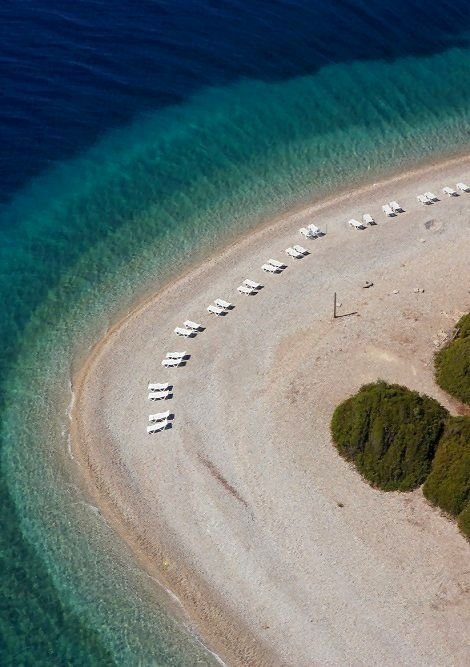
{"points": [[279, 551]]}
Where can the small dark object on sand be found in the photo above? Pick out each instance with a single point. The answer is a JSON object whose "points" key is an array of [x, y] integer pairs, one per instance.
{"points": [[367, 284]]}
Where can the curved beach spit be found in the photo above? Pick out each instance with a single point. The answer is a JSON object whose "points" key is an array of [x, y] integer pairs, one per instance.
{"points": [[279, 552]]}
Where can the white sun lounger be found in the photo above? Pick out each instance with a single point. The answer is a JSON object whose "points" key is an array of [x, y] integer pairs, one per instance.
{"points": [[307, 233], [189, 324], [158, 386], [316, 231], [216, 310], [159, 416], [367, 219], [157, 426], [462, 187], [187, 333], [395, 206], [172, 363], [269, 268], [223, 304], [431, 196], [301, 249], [355, 223], [243, 289], [278, 265], [176, 355], [251, 283], [159, 395], [424, 199], [294, 253], [386, 208], [449, 191]]}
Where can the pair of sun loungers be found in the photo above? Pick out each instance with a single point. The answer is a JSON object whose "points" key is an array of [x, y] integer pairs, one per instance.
{"points": [[220, 307], [189, 329], [175, 359], [159, 421], [427, 199], [453, 193], [273, 266], [367, 219], [297, 252], [311, 232], [159, 391], [392, 208], [249, 287]]}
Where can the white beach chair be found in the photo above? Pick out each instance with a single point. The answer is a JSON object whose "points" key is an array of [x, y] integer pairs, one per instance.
{"points": [[316, 231], [386, 208], [301, 249], [307, 233], [432, 197], [189, 324], [423, 199], [159, 395], [396, 208], [462, 187], [278, 265], [252, 284], [367, 219], [294, 253], [248, 291], [176, 355], [186, 333], [172, 363], [449, 191], [159, 416], [356, 224], [157, 426], [216, 310], [269, 268], [223, 304], [158, 386]]}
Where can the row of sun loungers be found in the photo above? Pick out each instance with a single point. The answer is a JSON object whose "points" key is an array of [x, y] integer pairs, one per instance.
{"points": [[429, 198], [161, 391]]}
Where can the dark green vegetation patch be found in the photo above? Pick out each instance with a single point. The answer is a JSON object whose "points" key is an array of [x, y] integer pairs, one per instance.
{"points": [[453, 363], [391, 434], [448, 484]]}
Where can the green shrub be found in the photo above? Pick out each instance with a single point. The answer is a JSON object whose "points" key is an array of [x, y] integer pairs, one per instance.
{"points": [[452, 363], [464, 521], [448, 484], [390, 433]]}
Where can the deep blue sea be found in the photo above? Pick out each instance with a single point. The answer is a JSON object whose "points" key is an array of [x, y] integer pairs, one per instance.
{"points": [[137, 136]]}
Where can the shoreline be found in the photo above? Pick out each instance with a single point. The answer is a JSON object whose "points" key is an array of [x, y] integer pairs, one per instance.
{"points": [[82, 444]]}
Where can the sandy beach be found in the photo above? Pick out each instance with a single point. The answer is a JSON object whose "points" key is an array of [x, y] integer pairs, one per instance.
{"points": [[277, 549]]}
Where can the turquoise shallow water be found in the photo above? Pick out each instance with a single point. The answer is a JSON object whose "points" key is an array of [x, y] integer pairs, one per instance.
{"points": [[87, 237]]}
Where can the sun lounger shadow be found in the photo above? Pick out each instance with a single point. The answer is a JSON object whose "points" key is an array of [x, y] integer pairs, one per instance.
{"points": [[354, 312]]}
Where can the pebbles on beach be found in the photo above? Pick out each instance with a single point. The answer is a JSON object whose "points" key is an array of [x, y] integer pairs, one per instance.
{"points": [[242, 494]]}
